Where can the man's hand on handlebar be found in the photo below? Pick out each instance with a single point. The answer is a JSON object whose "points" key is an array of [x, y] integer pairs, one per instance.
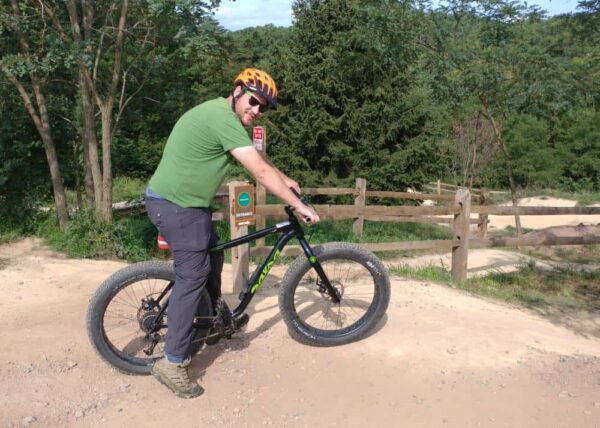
{"points": [[306, 212]]}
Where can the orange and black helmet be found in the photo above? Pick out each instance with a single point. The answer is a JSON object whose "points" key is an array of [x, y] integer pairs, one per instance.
{"points": [[259, 82]]}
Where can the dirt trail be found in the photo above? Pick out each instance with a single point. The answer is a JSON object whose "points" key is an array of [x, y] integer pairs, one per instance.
{"points": [[440, 358]]}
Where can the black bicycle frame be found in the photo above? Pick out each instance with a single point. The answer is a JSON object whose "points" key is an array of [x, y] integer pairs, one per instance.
{"points": [[289, 229]]}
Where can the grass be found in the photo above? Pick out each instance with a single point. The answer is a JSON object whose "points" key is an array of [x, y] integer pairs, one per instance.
{"points": [[10, 236], [131, 238], [373, 232], [3, 263], [127, 189], [578, 254], [528, 286], [124, 189]]}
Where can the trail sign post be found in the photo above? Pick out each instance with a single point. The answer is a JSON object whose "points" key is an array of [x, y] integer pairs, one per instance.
{"points": [[258, 138], [244, 208]]}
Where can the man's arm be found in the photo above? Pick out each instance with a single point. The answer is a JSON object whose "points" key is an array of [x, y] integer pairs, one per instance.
{"points": [[289, 182], [273, 179]]}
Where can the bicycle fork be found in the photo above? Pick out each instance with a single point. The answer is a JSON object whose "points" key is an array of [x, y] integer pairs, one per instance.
{"points": [[316, 265]]}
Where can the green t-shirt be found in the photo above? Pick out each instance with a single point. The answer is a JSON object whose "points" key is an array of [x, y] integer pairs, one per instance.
{"points": [[196, 156]]}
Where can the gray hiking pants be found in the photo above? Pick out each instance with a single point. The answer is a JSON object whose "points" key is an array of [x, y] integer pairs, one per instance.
{"points": [[190, 233]]}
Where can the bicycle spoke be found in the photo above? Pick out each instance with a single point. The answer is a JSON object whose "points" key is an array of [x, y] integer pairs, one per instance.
{"points": [[352, 280]]}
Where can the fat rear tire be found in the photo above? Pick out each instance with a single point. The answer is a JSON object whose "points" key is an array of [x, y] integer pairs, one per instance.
{"points": [[159, 272]]}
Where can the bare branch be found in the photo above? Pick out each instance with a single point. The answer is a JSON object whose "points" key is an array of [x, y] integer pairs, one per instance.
{"points": [[74, 18], [54, 20], [111, 9], [123, 105], [119, 49], [69, 121]]}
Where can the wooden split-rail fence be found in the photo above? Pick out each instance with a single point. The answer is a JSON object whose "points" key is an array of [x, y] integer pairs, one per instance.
{"points": [[452, 207]]}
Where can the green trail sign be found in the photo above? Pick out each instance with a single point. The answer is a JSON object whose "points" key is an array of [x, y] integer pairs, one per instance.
{"points": [[244, 209]]}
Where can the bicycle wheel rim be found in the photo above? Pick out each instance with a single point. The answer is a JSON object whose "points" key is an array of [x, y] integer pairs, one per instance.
{"points": [[122, 318], [315, 309]]}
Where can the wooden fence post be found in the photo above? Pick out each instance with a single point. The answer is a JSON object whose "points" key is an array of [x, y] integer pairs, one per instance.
{"points": [[359, 201], [261, 223], [261, 191], [239, 254], [482, 226], [460, 249]]}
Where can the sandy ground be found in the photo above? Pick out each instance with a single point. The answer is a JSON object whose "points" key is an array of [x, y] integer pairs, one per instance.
{"points": [[440, 358], [499, 260], [540, 222]]}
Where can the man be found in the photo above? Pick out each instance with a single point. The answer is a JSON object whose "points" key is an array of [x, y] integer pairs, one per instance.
{"points": [[201, 146]]}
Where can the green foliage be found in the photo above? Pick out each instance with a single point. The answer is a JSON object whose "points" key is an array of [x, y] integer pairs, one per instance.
{"points": [[24, 184], [580, 150], [131, 238], [539, 164], [367, 89], [127, 189], [352, 101]]}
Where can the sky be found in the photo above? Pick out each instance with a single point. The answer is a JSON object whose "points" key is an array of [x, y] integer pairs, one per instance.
{"points": [[238, 14]]}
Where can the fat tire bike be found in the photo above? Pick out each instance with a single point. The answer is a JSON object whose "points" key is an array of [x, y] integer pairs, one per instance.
{"points": [[330, 295]]}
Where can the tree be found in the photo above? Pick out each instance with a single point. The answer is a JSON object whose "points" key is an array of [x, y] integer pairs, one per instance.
{"points": [[477, 48], [112, 45], [475, 149], [351, 100], [27, 66]]}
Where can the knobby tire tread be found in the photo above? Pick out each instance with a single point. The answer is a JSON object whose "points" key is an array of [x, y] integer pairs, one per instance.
{"points": [[106, 292], [333, 251]]}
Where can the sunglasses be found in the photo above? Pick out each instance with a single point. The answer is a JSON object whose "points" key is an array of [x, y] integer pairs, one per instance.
{"points": [[254, 102]]}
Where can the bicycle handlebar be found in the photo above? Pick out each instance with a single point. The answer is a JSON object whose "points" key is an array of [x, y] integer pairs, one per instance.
{"points": [[303, 200]]}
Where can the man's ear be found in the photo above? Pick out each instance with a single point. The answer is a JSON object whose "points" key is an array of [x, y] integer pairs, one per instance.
{"points": [[237, 90]]}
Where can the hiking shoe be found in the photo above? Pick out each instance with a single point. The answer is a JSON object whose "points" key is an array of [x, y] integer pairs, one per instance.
{"points": [[175, 377]]}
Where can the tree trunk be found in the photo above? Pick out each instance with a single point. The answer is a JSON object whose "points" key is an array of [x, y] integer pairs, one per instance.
{"points": [[77, 176], [106, 162], [93, 170], [42, 124], [511, 182], [106, 110], [51, 155], [93, 173]]}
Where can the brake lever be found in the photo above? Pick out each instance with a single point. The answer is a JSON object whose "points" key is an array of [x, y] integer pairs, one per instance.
{"points": [[299, 196], [308, 220]]}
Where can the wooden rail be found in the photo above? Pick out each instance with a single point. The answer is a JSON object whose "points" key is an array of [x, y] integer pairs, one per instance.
{"points": [[437, 244], [457, 211], [339, 212]]}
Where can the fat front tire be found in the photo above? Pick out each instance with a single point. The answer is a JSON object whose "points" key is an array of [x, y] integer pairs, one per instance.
{"points": [[117, 320], [310, 314]]}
